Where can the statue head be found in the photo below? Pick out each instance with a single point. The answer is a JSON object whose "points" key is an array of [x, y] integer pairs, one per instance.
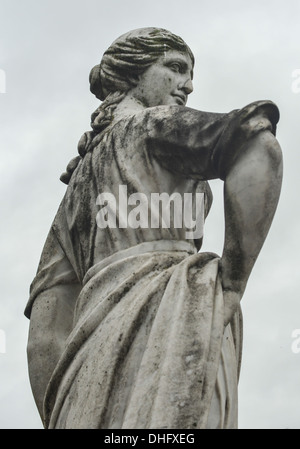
{"points": [[129, 56], [122, 66]]}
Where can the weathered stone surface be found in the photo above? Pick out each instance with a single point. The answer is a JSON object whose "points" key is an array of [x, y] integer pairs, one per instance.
{"points": [[131, 326]]}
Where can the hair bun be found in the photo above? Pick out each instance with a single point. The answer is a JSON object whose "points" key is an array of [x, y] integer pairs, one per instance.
{"points": [[95, 82]]}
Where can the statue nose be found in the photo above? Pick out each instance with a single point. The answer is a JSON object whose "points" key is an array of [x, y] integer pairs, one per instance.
{"points": [[188, 87]]}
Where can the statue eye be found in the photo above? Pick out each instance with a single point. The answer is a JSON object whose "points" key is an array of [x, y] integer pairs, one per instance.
{"points": [[175, 66]]}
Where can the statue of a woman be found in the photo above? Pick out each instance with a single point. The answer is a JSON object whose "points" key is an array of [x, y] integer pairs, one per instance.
{"points": [[130, 325]]}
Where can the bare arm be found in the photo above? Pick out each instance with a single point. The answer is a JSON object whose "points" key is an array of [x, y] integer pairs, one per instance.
{"points": [[251, 193], [53, 294], [50, 325]]}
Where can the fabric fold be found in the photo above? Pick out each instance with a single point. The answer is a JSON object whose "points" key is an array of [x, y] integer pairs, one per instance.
{"points": [[153, 342]]}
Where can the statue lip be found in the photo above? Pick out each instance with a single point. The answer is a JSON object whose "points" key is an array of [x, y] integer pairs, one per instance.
{"points": [[182, 98]]}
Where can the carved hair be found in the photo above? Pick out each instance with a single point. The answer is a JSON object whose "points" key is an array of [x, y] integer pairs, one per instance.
{"points": [[128, 57]]}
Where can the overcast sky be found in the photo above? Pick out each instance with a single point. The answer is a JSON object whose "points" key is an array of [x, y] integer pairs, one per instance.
{"points": [[245, 51]]}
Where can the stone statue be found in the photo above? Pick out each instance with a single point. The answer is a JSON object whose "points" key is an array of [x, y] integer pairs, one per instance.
{"points": [[130, 325]]}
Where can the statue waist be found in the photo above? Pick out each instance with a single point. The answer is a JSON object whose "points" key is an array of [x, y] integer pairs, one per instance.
{"points": [[141, 248]]}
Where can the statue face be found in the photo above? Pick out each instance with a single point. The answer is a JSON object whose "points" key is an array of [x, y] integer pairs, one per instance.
{"points": [[168, 81]]}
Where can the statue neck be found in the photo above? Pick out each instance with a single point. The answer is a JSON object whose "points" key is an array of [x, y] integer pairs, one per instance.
{"points": [[128, 106]]}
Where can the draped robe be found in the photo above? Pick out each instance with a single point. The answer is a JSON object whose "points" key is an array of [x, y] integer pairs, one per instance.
{"points": [[141, 340]]}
